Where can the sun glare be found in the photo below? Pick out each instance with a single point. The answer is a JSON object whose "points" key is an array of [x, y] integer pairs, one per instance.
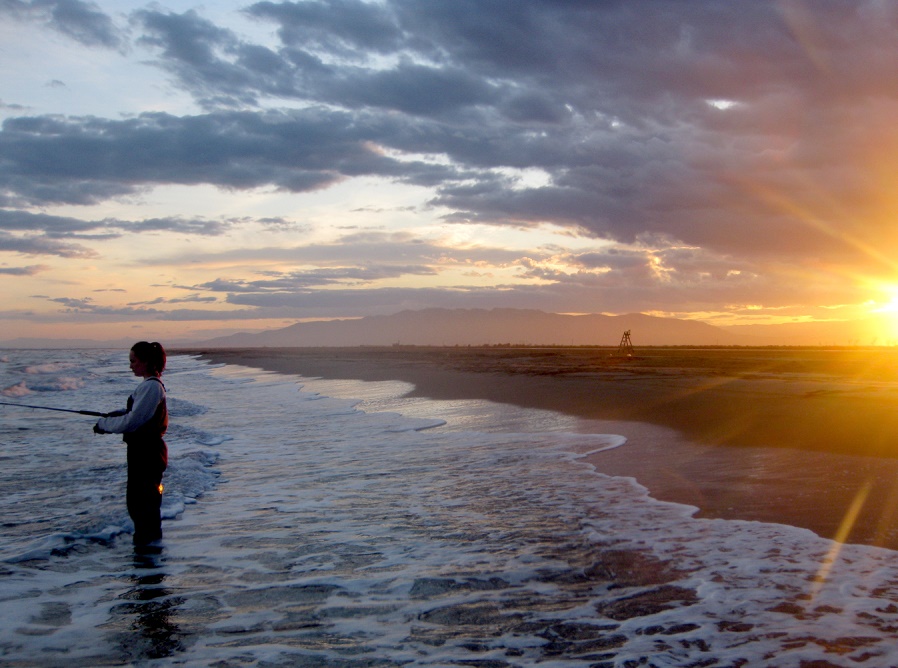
{"points": [[888, 311]]}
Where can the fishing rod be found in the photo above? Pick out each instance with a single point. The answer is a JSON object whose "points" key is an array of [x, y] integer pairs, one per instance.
{"points": [[62, 410]]}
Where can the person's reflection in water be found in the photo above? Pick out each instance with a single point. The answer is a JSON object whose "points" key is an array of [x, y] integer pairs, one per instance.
{"points": [[148, 629]]}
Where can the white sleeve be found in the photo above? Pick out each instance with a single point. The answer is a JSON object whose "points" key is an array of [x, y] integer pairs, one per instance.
{"points": [[146, 399]]}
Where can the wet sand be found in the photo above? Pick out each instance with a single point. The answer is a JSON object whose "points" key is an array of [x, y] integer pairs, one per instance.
{"points": [[728, 406]]}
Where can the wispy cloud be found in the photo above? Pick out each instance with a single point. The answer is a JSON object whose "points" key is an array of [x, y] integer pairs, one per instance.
{"points": [[29, 270]]}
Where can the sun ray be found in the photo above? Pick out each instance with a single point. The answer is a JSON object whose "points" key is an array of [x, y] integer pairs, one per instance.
{"points": [[841, 536], [805, 215]]}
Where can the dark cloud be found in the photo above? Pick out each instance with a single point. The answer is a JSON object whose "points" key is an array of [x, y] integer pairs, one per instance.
{"points": [[279, 223], [74, 303], [82, 21], [189, 299], [349, 28], [12, 220], [327, 303], [314, 278], [176, 224], [36, 245], [747, 137], [627, 288], [200, 55], [554, 297], [44, 226], [611, 100], [18, 108], [360, 249], [87, 160], [85, 309], [649, 276], [29, 270]]}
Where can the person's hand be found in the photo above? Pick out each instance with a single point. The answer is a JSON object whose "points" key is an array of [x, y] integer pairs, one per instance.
{"points": [[98, 430]]}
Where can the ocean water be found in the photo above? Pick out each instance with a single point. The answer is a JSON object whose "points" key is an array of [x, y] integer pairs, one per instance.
{"points": [[306, 526]]}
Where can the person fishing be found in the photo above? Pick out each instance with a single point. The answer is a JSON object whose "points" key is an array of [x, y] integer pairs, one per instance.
{"points": [[142, 425]]}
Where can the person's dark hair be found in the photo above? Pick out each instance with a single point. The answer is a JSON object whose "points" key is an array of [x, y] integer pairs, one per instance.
{"points": [[152, 354]]}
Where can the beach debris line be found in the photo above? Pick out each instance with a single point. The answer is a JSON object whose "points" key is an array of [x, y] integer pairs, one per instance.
{"points": [[51, 408]]}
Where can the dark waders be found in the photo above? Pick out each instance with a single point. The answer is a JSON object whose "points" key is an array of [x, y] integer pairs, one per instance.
{"points": [[147, 459]]}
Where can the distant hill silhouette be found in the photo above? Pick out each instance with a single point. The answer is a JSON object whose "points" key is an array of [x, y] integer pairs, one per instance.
{"points": [[449, 327]]}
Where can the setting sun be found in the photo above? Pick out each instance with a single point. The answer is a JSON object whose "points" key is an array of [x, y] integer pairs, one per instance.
{"points": [[887, 311]]}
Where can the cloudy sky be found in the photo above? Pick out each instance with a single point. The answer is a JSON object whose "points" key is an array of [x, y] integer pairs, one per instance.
{"points": [[171, 169]]}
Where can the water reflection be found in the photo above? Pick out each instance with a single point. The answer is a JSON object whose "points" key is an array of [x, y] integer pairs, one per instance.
{"points": [[146, 624]]}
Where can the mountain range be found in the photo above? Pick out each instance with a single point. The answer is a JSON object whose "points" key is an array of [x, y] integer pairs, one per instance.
{"points": [[503, 326], [449, 327]]}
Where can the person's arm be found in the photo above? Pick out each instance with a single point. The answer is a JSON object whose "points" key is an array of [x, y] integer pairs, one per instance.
{"points": [[146, 398]]}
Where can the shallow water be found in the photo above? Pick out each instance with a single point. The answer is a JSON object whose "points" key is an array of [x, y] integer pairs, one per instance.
{"points": [[305, 531]]}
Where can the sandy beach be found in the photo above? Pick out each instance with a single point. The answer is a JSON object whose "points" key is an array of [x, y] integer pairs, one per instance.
{"points": [[728, 402]]}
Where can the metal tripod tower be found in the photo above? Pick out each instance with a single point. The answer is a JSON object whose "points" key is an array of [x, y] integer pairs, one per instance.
{"points": [[626, 346]]}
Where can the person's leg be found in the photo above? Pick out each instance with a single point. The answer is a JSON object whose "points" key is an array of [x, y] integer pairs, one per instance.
{"points": [[144, 497], [144, 501], [147, 461]]}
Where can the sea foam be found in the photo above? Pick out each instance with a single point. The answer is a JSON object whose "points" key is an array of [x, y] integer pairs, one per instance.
{"points": [[319, 533]]}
